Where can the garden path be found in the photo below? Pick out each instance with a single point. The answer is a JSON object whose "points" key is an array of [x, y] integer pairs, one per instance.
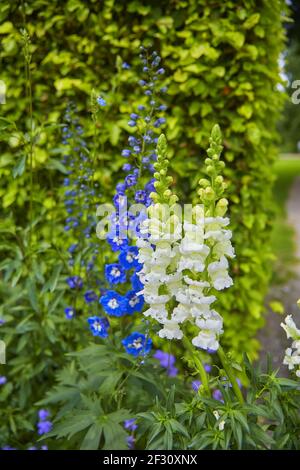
{"points": [[272, 337]]}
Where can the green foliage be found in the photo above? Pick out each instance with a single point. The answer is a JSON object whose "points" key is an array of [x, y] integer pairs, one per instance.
{"points": [[222, 64], [169, 416]]}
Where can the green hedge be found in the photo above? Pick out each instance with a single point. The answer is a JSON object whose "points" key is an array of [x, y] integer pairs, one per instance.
{"points": [[221, 59]]}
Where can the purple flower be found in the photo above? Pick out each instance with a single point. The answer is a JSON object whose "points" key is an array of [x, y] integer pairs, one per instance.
{"points": [[90, 296], [131, 123], [130, 424], [3, 380], [44, 427], [125, 66], [126, 153], [130, 442], [196, 385], [137, 344], [130, 180], [43, 414], [167, 361], [126, 167], [140, 196], [217, 395], [75, 282], [207, 368]]}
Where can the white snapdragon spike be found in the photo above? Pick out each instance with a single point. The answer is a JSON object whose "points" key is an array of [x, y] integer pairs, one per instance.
{"points": [[292, 354], [183, 268]]}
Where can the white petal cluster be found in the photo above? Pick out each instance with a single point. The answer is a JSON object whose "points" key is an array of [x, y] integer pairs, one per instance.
{"points": [[179, 271], [292, 354]]}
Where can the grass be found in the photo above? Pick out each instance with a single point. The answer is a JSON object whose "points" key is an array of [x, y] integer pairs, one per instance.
{"points": [[283, 244]]}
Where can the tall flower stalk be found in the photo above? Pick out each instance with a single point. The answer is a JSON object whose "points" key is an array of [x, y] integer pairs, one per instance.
{"points": [[185, 257]]}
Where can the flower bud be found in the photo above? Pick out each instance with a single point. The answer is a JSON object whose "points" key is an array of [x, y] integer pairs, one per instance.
{"points": [[204, 182], [209, 193]]}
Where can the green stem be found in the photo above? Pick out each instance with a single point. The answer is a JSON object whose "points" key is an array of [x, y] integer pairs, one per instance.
{"points": [[230, 374], [198, 365]]}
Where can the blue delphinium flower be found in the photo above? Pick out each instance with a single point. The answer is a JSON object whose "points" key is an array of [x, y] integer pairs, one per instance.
{"points": [[70, 313], [43, 414], [130, 424], [99, 326], [90, 296], [130, 441], [135, 303], [217, 395], [167, 361], [115, 273], [136, 283], [196, 385], [137, 344], [44, 425], [3, 380], [101, 101], [129, 258], [114, 304], [75, 282]]}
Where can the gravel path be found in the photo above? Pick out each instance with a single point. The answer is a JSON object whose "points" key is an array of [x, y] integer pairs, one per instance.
{"points": [[272, 336]]}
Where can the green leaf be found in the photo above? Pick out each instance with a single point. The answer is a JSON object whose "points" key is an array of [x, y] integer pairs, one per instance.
{"points": [[92, 438], [19, 168]]}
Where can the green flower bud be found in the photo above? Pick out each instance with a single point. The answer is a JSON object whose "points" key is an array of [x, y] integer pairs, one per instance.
{"points": [[209, 193], [204, 182]]}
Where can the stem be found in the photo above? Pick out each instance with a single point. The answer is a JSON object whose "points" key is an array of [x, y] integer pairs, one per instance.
{"points": [[230, 374], [198, 365]]}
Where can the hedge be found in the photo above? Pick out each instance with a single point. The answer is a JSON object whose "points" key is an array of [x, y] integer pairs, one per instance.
{"points": [[221, 61]]}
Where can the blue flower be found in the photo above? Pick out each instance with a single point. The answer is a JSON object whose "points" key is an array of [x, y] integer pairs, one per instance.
{"points": [[130, 442], [167, 361], [115, 273], [70, 312], [130, 180], [43, 414], [126, 153], [129, 258], [75, 282], [101, 101], [3, 380], [117, 242], [44, 427], [136, 283], [137, 344], [131, 123], [126, 167], [114, 304], [217, 395], [125, 66], [140, 195], [196, 385], [90, 296], [99, 326], [130, 424], [135, 302]]}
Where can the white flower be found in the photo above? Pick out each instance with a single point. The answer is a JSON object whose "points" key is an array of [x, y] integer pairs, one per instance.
{"points": [[181, 313], [170, 330], [219, 274], [291, 358], [206, 340], [174, 282], [158, 312], [223, 248], [213, 323], [290, 328]]}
